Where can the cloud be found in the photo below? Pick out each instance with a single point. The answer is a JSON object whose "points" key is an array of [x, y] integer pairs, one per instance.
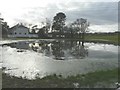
{"points": [[96, 13], [29, 11], [103, 28]]}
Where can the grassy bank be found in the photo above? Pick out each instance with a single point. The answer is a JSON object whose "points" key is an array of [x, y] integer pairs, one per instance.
{"points": [[113, 38], [98, 79], [103, 38], [0, 79]]}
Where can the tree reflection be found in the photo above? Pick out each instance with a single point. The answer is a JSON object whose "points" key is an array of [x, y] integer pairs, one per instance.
{"points": [[75, 49], [57, 50], [79, 50], [60, 49]]}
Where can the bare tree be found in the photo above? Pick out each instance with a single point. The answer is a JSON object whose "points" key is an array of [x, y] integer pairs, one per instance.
{"points": [[81, 25], [47, 26]]}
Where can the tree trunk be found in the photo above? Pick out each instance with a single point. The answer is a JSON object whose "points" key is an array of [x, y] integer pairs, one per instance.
{"points": [[83, 36]]}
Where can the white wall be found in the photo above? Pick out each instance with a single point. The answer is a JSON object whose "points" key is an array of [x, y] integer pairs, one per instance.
{"points": [[33, 35], [21, 32]]}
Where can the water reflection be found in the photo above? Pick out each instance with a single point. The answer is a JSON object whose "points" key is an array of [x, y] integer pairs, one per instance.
{"points": [[19, 45], [57, 50], [66, 49], [60, 49]]}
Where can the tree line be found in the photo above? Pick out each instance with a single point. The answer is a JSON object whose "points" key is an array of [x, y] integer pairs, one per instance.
{"points": [[4, 27]]}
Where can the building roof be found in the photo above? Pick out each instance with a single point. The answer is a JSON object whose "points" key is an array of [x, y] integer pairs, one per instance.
{"points": [[18, 26]]}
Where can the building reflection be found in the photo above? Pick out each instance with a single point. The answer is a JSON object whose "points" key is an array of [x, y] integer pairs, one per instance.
{"points": [[19, 45]]}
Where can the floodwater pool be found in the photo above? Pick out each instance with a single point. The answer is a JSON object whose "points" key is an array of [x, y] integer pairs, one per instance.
{"points": [[39, 58]]}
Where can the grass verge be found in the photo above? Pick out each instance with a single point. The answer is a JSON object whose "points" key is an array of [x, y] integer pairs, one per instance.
{"points": [[105, 38], [104, 78]]}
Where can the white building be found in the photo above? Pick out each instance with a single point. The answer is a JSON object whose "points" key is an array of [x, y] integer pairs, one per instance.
{"points": [[20, 30]]}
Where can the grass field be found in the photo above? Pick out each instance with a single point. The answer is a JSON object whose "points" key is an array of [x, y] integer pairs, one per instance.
{"points": [[106, 78], [101, 37], [112, 38], [0, 79]]}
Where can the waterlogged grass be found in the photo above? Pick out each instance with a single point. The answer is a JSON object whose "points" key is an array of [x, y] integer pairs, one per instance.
{"points": [[0, 79], [94, 37], [100, 37], [104, 78]]}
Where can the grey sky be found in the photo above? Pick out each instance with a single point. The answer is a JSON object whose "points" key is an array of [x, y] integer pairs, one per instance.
{"points": [[97, 13]]}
